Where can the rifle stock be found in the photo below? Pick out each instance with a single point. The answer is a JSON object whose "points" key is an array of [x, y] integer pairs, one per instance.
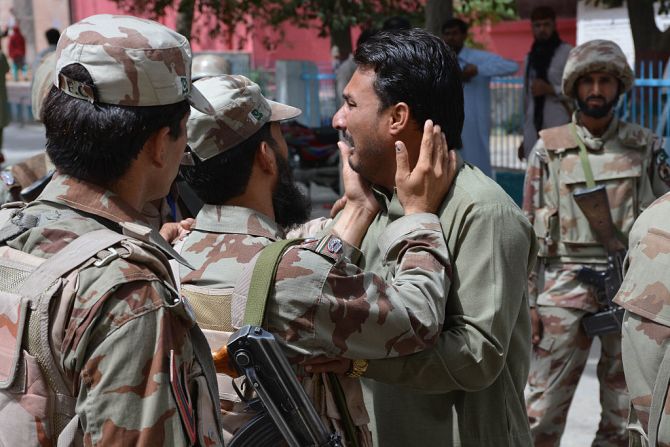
{"points": [[595, 205], [256, 354]]}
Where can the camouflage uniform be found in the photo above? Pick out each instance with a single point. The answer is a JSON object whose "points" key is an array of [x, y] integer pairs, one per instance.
{"points": [[127, 349], [645, 295], [466, 391], [629, 161], [321, 303]]}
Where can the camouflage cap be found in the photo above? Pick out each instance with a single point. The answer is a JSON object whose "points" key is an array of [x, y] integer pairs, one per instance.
{"points": [[240, 110], [133, 62], [205, 65], [592, 56]]}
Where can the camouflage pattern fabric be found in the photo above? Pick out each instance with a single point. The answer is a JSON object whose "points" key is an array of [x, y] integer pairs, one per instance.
{"points": [[323, 304], [645, 294], [624, 160], [596, 55], [133, 62], [16, 177], [145, 393], [467, 390], [556, 367]]}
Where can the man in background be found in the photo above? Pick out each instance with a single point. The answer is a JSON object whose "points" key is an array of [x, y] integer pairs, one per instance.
{"points": [[544, 106], [477, 67]]}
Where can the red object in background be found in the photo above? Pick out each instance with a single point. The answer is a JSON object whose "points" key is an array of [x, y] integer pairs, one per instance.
{"points": [[511, 39], [17, 44]]}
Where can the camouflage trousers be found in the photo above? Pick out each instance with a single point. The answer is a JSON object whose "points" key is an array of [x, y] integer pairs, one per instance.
{"points": [[557, 363], [646, 360]]}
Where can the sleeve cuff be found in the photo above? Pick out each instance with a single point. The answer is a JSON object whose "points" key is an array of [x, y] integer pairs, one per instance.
{"points": [[399, 229], [336, 248]]}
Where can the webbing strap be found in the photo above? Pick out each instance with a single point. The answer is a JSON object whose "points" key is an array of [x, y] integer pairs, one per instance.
{"points": [[343, 408], [658, 399], [262, 279], [34, 287], [584, 157]]}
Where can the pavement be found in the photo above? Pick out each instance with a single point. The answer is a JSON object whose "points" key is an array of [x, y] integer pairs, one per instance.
{"points": [[21, 142]]}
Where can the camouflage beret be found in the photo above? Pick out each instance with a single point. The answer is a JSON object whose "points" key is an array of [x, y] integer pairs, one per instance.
{"points": [[133, 62], [596, 55], [240, 110]]}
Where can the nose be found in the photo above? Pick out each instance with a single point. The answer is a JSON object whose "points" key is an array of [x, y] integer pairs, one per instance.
{"points": [[339, 122]]}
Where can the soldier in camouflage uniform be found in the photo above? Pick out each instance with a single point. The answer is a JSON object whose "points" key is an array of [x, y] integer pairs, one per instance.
{"points": [[645, 294], [116, 131], [629, 161], [321, 304]]}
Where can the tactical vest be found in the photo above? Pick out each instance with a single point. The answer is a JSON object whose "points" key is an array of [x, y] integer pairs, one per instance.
{"points": [[37, 400], [562, 229], [220, 312]]}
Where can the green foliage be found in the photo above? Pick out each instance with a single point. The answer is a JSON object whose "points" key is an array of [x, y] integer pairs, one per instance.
{"points": [[481, 12]]}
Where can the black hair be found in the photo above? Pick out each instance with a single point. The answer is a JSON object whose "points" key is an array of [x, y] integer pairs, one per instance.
{"points": [[52, 35], [455, 23], [226, 175], [542, 13], [97, 142], [365, 35], [417, 68], [396, 23]]}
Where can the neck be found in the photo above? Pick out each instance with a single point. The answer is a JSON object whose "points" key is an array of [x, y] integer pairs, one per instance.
{"points": [[257, 196], [597, 126], [132, 191]]}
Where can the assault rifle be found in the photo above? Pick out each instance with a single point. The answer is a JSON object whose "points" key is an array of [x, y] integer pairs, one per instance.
{"points": [[594, 204], [285, 413]]}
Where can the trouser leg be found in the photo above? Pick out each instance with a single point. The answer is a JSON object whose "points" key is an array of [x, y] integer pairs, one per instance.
{"points": [[613, 395], [557, 363]]}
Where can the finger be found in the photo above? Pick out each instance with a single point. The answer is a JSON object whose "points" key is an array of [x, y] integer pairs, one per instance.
{"points": [[438, 151], [402, 162], [426, 152], [452, 165], [319, 360]]}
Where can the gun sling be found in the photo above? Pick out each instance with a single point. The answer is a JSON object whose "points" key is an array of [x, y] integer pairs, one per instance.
{"points": [[262, 280]]}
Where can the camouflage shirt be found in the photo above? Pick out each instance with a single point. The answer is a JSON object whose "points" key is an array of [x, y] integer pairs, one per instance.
{"points": [[627, 159], [126, 348], [322, 303], [645, 294]]}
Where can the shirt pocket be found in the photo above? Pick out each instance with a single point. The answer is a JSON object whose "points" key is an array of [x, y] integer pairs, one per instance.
{"points": [[546, 229]]}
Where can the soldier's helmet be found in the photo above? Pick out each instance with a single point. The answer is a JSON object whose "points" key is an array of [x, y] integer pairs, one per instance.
{"points": [[240, 110], [132, 61], [206, 65], [596, 55]]}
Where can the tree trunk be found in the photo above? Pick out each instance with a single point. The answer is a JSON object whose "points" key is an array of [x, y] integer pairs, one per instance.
{"points": [[185, 13], [437, 12], [650, 43], [342, 38]]}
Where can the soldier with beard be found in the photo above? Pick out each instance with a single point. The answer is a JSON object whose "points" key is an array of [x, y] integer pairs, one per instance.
{"points": [[321, 303], [544, 105], [629, 161]]}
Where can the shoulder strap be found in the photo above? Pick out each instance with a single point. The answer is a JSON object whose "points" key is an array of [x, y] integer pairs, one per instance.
{"points": [[262, 280], [43, 278], [584, 158]]}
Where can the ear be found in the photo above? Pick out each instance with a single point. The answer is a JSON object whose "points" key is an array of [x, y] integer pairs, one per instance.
{"points": [[266, 159], [399, 118], [156, 147]]}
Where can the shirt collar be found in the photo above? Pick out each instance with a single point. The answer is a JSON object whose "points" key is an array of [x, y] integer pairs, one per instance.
{"points": [[237, 220], [93, 199], [591, 141]]}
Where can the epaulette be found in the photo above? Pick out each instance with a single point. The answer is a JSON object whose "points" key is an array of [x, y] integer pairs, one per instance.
{"points": [[558, 138]]}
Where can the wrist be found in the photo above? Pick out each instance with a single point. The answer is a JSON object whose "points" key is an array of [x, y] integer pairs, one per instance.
{"points": [[353, 223]]}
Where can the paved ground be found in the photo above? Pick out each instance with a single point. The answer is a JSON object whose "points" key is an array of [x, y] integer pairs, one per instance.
{"points": [[21, 142]]}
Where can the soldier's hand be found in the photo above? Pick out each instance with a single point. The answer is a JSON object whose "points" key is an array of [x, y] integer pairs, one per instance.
{"points": [[338, 206], [174, 231], [535, 326], [422, 189], [324, 364], [357, 191]]}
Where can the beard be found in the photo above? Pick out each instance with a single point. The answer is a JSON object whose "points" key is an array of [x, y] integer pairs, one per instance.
{"points": [[596, 111], [291, 206]]}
